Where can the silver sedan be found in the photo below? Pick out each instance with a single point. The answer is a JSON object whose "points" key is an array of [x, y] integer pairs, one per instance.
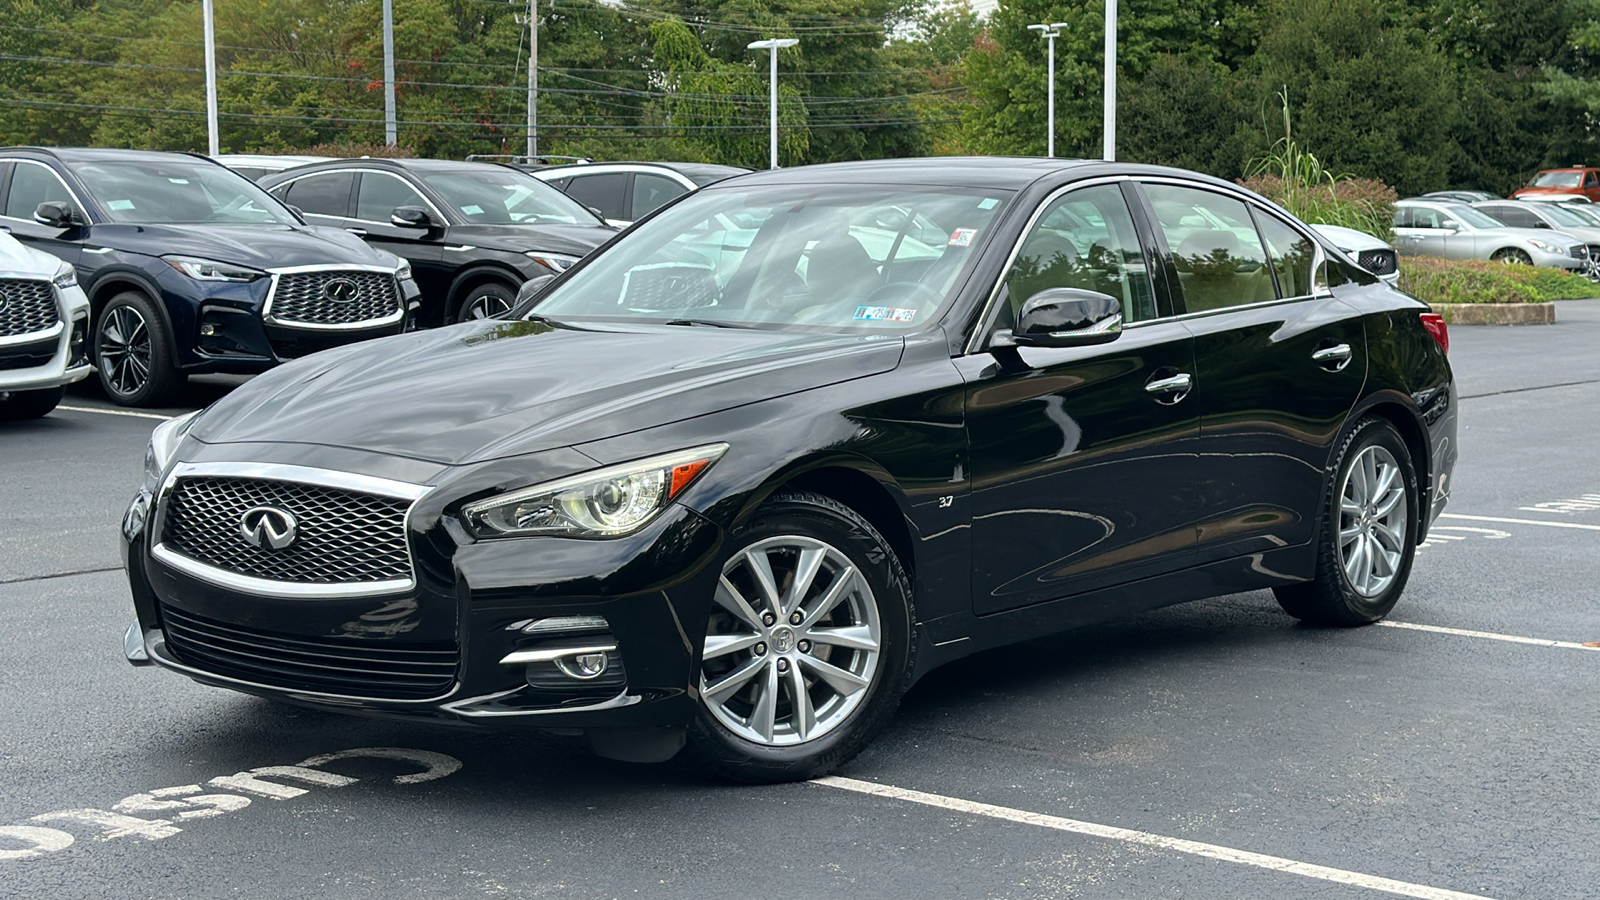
{"points": [[1551, 217], [1457, 231]]}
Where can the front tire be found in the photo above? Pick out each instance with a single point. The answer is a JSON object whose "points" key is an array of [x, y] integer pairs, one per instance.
{"points": [[1368, 534], [19, 405], [133, 353], [808, 647], [1511, 256], [485, 301]]}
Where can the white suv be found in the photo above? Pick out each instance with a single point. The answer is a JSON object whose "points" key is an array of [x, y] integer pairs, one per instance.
{"points": [[44, 319]]}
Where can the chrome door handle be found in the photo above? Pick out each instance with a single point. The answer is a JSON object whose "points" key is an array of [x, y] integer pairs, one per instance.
{"points": [[358, 232], [1177, 384], [1333, 358]]}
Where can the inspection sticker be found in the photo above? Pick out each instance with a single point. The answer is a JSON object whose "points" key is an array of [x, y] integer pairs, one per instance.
{"points": [[885, 313], [962, 237], [988, 203], [119, 205]]}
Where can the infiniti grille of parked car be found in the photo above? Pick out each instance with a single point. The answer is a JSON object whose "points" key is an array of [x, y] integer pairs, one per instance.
{"points": [[410, 670], [333, 298], [26, 306], [1379, 262], [340, 536]]}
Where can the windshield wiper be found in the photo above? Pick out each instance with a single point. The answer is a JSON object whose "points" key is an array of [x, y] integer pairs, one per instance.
{"points": [[708, 323]]}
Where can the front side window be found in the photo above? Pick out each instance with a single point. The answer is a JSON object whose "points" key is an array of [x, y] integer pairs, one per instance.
{"points": [[1590, 179], [380, 193], [838, 258], [178, 191], [32, 185], [505, 197], [1086, 240], [1291, 255], [1220, 259]]}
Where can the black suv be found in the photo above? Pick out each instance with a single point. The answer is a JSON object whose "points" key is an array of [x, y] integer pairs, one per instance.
{"points": [[191, 268], [473, 232]]}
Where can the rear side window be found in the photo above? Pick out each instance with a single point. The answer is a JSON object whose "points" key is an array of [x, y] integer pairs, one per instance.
{"points": [[603, 192], [1219, 256], [1291, 256], [380, 193], [32, 185], [323, 195], [1516, 218]]}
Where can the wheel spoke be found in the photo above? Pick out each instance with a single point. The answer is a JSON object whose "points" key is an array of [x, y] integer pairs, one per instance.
{"points": [[1386, 478], [1387, 504], [805, 572], [846, 683], [719, 692], [723, 644], [805, 715], [1382, 565], [761, 569], [765, 717], [1386, 538], [1346, 535], [729, 598], [843, 580], [854, 637], [1356, 562]]}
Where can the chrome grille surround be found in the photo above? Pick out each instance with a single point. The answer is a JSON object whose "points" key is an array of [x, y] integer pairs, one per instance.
{"points": [[27, 307], [352, 540], [1379, 262], [297, 300]]}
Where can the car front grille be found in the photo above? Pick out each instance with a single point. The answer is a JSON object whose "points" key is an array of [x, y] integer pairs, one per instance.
{"points": [[26, 306], [1578, 251], [342, 537], [334, 298], [1379, 262], [396, 670]]}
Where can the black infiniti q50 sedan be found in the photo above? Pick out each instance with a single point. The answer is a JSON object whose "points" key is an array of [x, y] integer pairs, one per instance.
{"points": [[736, 481]]}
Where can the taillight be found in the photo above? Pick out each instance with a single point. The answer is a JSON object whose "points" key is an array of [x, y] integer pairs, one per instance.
{"points": [[1434, 323]]}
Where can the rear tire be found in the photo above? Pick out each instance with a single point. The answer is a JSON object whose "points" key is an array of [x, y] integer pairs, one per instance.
{"points": [[1511, 256], [133, 353], [1368, 532], [19, 405], [818, 663]]}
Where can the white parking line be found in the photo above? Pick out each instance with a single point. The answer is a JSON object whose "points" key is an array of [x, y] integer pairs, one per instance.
{"points": [[1520, 521], [1489, 635], [1178, 845], [115, 412]]}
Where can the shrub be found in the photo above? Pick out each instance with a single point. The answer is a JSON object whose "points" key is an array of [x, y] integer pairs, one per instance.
{"points": [[1476, 281]]}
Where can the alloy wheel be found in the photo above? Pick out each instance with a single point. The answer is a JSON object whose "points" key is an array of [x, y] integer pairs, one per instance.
{"points": [[1372, 521], [793, 642], [485, 306], [125, 351]]}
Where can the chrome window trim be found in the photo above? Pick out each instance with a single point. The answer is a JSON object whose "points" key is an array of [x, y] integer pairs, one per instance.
{"points": [[272, 293], [76, 200], [330, 478], [161, 656]]}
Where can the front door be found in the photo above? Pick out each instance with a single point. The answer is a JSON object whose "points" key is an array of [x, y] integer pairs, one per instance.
{"points": [[1279, 367], [30, 184], [1082, 463], [378, 194]]}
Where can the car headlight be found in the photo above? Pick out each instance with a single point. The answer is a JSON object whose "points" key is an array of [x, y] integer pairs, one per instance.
{"points": [[163, 444], [65, 277], [555, 262], [1546, 246], [609, 502], [211, 270], [404, 272]]}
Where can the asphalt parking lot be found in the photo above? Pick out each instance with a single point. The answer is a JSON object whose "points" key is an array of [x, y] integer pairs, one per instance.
{"points": [[1216, 749]]}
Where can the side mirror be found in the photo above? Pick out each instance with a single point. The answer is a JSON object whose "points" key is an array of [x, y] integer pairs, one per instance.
{"points": [[411, 217], [532, 287], [1067, 317], [55, 214], [1447, 227]]}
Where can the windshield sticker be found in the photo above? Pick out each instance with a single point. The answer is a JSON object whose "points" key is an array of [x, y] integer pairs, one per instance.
{"points": [[885, 313], [988, 203], [962, 237], [473, 210], [119, 205]]}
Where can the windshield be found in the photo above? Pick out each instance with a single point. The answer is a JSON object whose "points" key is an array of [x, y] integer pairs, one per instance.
{"points": [[178, 191], [1590, 217], [1474, 218], [1557, 179], [506, 197], [1565, 216], [851, 257]]}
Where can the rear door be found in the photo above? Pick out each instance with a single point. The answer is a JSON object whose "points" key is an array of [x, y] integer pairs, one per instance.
{"points": [[1279, 366], [1083, 469], [323, 198]]}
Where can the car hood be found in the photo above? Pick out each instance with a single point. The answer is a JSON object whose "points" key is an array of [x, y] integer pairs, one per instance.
{"points": [[1523, 191], [573, 240], [491, 389], [1349, 239], [257, 246], [20, 261], [1544, 234]]}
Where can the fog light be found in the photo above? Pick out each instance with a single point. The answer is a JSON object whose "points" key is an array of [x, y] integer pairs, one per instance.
{"points": [[208, 329], [584, 665]]}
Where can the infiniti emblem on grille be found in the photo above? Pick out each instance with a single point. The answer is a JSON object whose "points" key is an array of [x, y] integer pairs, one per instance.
{"points": [[5, 301], [268, 527], [340, 290]]}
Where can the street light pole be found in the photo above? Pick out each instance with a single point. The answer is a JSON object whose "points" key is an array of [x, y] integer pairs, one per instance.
{"points": [[1050, 32], [391, 134], [773, 46], [1110, 123], [212, 137]]}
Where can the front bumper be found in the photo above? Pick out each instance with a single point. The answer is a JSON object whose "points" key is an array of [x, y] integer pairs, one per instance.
{"points": [[1556, 260], [653, 590], [52, 358]]}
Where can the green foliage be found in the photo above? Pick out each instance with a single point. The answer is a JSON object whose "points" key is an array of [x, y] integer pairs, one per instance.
{"points": [[1434, 280], [1295, 179]]}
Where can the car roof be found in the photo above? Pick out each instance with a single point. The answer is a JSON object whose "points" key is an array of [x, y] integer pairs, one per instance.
{"points": [[84, 154], [1003, 172]]}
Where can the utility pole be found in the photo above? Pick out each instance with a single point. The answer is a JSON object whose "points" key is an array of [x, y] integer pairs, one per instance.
{"points": [[1050, 32], [533, 78], [773, 45], [1110, 124], [213, 140], [391, 134]]}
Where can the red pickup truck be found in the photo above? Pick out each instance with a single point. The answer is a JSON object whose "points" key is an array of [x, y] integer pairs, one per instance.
{"points": [[1579, 180]]}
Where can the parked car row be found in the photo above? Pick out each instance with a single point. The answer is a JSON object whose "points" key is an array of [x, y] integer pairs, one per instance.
{"points": [[1504, 231]]}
